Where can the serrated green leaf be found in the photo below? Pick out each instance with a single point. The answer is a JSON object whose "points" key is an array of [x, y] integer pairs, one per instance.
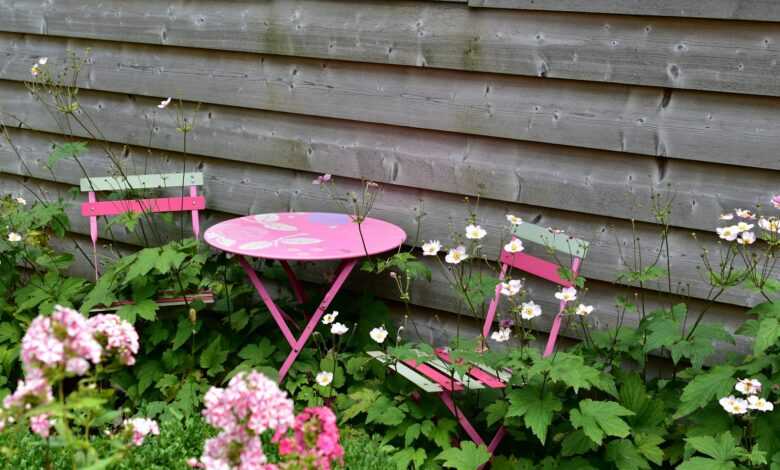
{"points": [[409, 458], [362, 399], [576, 443], [66, 150], [702, 463], [466, 457], [722, 449], [598, 419], [146, 309], [213, 357], [384, 411], [536, 408], [767, 336], [144, 261], [705, 387], [495, 412], [625, 455], [411, 434]]}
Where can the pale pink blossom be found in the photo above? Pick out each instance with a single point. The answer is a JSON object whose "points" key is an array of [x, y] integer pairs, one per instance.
{"points": [[41, 425], [117, 336], [140, 428]]}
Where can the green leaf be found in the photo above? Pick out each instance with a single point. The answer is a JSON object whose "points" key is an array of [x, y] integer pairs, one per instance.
{"points": [[704, 388], [362, 399], [169, 258], [66, 150], [258, 354], [148, 373], [145, 260], [496, 411], [576, 443], [767, 335], [648, 446], [536, 408], [9, 332], [146, 309], [213, 357], [571, 370], [625, 455], [598, 419], [467, 457], [723, 448], [384, 411], [701, 463], [409, 458], [411, 434], [183, 332]]}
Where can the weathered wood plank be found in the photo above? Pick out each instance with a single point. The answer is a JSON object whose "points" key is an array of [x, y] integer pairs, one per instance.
{"points": [[594, 182], [244, 188], [754, 10], [687, 54], [731, 129]]}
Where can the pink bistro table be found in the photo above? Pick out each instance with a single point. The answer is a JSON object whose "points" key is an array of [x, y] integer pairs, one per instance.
{"points": [[302, 236]]}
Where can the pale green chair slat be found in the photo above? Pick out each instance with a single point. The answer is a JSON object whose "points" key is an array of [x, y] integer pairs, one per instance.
{"points": [[446, 369], [503, 375], [407, 372], [558, 241], [166, 180]]}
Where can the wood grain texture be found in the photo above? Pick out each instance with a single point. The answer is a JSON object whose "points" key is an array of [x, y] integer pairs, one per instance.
{"points": [[700, 126], [753, 10], [669, 52], [607, 184], [247, 188]]}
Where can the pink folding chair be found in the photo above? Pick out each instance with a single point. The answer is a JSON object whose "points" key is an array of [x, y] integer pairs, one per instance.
{"points": [[192, 203], [573, 248], [437, 376]]}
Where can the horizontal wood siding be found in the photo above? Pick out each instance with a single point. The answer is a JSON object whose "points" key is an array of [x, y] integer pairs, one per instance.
{"points": [[754, 10], [669, 52], [570, 118]]}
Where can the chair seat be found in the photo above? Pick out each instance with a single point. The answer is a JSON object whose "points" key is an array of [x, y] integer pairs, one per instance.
{"points": [[436, 375], [207, 297]]}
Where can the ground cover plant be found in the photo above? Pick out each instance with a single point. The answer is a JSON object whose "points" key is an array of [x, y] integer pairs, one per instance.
{"points": [[183, 372]]}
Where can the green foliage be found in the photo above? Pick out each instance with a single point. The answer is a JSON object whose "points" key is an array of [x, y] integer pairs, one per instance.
{"points": [[466, 457]]}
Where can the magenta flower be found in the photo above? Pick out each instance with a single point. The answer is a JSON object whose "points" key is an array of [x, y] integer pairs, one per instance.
{"points": [[776, 201], [41, 425], [142, 427], [116, 336], [53, 342]]}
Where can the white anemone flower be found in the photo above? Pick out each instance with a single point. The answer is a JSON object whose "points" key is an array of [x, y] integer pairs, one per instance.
{"points": [[567, 294], [324, 378], [14, 237], [744, 226], [583, 310], [501, 335], [513, 219], [529, 310], [329, 318], [759, 404], [21, 201], [728, 216], [475, 232], [733, 405], [456, 255], [164, 103], [511, 288], [748, 386], [43, 60], [771, 224], [746, 238], [378, 334], [728, 233], [432, 248], [745, 214], [338, 328], [515, 246]]}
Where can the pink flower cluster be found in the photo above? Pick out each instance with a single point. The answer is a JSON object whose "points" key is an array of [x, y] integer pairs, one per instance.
{"points": [[65, 342], [250, 405], [140, 428], [315, 438]]}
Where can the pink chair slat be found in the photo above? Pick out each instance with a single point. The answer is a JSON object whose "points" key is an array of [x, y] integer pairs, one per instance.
{"points": [[536, 266], [483, 376], [445, 382], [170, 204]]}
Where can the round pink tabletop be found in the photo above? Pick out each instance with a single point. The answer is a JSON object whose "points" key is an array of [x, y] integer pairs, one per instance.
{"points": [[305, 236]]}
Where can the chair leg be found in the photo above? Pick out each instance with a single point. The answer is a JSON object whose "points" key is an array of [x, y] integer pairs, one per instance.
{"points": [[491, 313], [446, 397]]}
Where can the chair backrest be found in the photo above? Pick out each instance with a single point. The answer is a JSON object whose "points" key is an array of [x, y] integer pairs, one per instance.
{"points": [[94, 208], [573, 248]]}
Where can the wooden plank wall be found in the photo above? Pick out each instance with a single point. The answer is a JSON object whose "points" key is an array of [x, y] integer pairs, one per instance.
{"points": [[568, 113]]}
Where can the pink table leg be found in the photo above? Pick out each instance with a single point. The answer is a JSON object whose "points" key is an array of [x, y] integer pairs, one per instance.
{"points": [[300, 296], [344, 271], [275, 312]]}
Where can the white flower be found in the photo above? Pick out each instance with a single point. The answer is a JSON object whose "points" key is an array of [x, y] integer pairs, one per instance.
{"points": [[432, 248], [744, 214], [514, 220], [530, 310], [456, 255], [771, 224], [329, 318], [748, 386], [733, 405], [21, 201], [501, 335], [14, 237], [324, 378], [475, 232], [728, 233], [760, 404], [322, 179], [728, 216], [378, 334], [746, 238], [583, 310], [164, 103], [744, 226], [43, 60], [511, 288], [515, 246], [35, 70], [338, 328], [567, 294]]}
